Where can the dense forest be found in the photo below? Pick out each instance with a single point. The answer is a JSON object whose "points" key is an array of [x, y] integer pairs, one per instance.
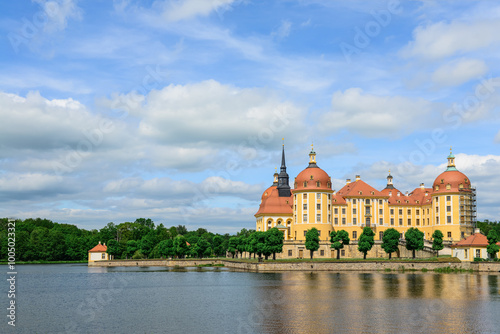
{"points": [[43, 240]]}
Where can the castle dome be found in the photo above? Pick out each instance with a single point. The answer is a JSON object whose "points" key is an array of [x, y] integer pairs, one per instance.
{"points": [[313, 177], [451, 180], [273, 203]]}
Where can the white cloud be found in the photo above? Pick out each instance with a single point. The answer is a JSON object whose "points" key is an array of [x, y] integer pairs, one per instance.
{"points": [[59, 12], [441, 39], [458, 72], [178, 10], [283, 30], [220, 114], [375, 116]]}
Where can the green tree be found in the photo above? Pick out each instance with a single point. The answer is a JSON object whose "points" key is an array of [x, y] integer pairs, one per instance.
{"points": [[390, 241], [131, 248], [242, 244], [437, 241], [218, 245], [493, 248], [166, 248], [147, 244], [200, 248], [274, 239], [414, 240], [233, 246], [312, 241], [180, 246], [338, 240], [113, 248], [366, 241]]}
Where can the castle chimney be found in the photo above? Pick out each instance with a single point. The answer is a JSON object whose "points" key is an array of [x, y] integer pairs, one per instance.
{"points": [[347, 181], [422, 186], [358, 177]]}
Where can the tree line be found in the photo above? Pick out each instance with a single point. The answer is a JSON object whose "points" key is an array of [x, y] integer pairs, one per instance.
{"points": [[43, 240]]}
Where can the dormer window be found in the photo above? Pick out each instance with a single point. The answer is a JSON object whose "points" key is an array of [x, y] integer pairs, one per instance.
{"points": [[448, 186], [318, 183], [312, 177], [305, 184], [361, 193], [442, 181], [373, 193], [460, 186], [437, 188]]}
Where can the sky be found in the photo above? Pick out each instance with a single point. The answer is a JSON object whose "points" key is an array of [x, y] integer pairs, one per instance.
{"points": [[177, 110]]}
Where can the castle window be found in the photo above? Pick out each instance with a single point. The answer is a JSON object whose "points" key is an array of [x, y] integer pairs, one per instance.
{"points": [[401, 221], [286, 201], [336, 221], [448, 219], [460, 186], [448, 198], [367, 221], [381, 221], [304, 206], [329, 184], [329, 196], [304, 196], [336, 211], [380, 202], [400, 211], [318, 196], [380, 211], [354, 211], [305, 184], [304, 218], [305, 233], [373, 193], [353, 201], [367, 201], [318, 183], [392, 221], [409, 211], [442, 181], [418, 212], [312, 177], [392, 211], [329, 207], [437, 188], [448, 186], [343, 221], [418, 221], [448, 208], [361, 193], [437, 220], [318, 206], [437, 208], [343, 211], [354, 221], [354, 235], [318, 217], [289, 253], [409, 221], [329, 218]]}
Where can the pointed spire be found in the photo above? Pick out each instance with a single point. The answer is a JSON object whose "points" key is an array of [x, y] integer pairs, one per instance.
{"points": [[283, 178]]}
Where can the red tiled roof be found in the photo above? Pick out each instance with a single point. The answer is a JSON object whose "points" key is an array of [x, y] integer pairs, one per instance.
{"points": [[476, 239], [273, 204], [99, 248], [359, 188], [312, 175]]}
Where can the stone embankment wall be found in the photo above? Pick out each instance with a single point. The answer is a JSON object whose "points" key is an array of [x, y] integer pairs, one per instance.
{"points": [[306, 266]]}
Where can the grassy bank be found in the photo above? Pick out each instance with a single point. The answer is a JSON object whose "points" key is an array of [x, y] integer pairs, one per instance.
{"points": [[448, 259]]}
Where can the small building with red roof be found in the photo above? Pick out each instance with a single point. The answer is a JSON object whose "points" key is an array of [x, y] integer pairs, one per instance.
{"points": [[474, 246], [98, 253]]}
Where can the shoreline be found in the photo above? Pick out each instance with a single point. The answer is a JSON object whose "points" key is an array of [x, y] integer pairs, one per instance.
{"points": [[339, 265]]}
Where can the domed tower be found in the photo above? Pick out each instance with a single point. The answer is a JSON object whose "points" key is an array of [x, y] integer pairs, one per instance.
{"points": [[453, 203], [312, 195], [276, 203]]}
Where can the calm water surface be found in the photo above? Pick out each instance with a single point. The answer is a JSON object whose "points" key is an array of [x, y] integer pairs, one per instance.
{"points": [[78, 299]]}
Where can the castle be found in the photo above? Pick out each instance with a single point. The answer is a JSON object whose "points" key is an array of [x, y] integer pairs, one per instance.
{"points": [[450, 205]]}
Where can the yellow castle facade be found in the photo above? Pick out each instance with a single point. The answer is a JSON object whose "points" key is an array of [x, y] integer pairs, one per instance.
{"points": [[449, 206]]}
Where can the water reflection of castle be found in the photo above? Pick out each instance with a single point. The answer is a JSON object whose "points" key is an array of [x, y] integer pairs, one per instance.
{"points": [[448, 206], [322, 302]]}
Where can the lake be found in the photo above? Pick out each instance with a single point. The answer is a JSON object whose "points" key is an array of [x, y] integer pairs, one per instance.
{"points": [[78, 299]]}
